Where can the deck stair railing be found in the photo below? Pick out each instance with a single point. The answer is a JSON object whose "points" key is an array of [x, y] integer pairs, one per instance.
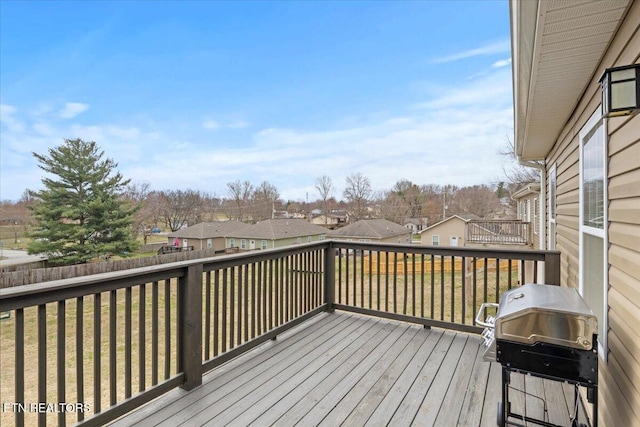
{"points": [[90, 349]]}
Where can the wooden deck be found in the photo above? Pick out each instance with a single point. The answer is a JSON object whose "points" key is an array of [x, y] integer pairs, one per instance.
{"points": [[346, 369]]}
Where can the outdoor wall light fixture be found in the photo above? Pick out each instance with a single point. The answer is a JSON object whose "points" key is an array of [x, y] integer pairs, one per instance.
{"points": [[620, 90]]}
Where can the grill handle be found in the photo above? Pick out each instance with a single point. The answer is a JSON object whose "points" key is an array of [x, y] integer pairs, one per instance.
{"points": [[481, 314]]}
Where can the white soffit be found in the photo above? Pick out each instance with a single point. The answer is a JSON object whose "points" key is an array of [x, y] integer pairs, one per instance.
{"points": [[569, 39]]}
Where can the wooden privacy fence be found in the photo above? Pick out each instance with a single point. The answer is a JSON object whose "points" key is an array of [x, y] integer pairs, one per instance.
{"points": [[10, 279]]}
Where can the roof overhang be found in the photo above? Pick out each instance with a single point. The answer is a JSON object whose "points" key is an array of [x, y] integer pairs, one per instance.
{"points": [[526, 191], [556, 46]]}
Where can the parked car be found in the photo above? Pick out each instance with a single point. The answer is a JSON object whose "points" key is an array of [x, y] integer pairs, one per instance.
{"points": [[155, 230]]}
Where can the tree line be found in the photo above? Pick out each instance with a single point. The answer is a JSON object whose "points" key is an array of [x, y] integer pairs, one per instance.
{"points": [[87, 208]]}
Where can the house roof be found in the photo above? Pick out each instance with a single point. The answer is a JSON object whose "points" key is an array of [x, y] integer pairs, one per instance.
{"points": [[526, 190], [209, 230], [557, 48], [371, 229], [416, 221], [276, 229], [463, 217]]}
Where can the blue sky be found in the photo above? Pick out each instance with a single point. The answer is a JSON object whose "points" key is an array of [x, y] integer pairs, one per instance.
{"points": [[193, 95]]}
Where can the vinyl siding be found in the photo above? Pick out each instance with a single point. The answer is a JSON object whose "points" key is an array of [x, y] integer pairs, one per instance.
{"points": [[453, 227], [619, 382]]}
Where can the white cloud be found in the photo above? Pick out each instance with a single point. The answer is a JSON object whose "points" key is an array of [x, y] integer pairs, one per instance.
{"points": [[214, 125], [124, 133], [8, 119], [238, 124], [501, 63], [503, 46], [72, 109], [211, 125], [88, 133], [44, 129], [452, 137], [486, 90]]}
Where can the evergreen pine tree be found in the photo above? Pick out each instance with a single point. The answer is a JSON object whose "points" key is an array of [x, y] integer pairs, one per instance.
{"points": [[80, 213]]}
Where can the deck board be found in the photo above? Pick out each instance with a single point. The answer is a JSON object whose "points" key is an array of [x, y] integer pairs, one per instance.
{"points": [[348, 369]]}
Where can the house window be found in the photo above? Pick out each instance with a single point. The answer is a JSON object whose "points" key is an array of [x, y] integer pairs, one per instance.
{"points": [[263, 244], [232, 243], [435, 240], [243, 244], [322, 237], [552, 207], [593, 236], [209, 243], [308, 239], [299, 240]]}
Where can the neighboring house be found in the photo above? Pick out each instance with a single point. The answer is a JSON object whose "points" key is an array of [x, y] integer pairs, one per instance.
{"points": [[373, 230], [448, 232], [330, 221], [416, 225], [590, 167], [282, 214], [274, 233], [528, 210], [205, 235]]}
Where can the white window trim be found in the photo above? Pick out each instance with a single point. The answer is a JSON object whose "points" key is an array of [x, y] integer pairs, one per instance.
{"points": [[553, 213], [536, 221], [433, 240], [593, 121]]}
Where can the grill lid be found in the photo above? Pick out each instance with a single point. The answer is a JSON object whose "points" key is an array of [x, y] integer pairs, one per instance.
{"points": [[545, 313]]}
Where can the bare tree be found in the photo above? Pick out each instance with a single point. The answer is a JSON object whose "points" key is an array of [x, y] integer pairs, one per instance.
{"points": [[17, 216], [358, 193], [211, 206], [137, 194], [515, 173], [263, 201], [325, 188], [179, 208], [480, 200], [411, 195], [240, 193], [392, 206]]}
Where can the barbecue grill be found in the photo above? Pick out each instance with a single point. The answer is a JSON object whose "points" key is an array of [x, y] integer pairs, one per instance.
{"points": [[545, 331]]}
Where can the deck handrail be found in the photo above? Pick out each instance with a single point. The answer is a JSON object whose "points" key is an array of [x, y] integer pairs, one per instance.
{"points": [[125, 356], [504, 232]]}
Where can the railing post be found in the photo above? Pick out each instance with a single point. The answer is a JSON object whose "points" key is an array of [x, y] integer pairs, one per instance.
{"points": [[552, 268], [190, 324], [330, 277]]}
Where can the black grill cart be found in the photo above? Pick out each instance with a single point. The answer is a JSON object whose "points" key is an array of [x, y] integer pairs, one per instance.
{"points": [[547, 332]]}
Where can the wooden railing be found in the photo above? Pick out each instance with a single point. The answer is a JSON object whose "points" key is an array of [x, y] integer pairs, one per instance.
{"points": [[501, 232], [93, 348], [434, 286]]}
